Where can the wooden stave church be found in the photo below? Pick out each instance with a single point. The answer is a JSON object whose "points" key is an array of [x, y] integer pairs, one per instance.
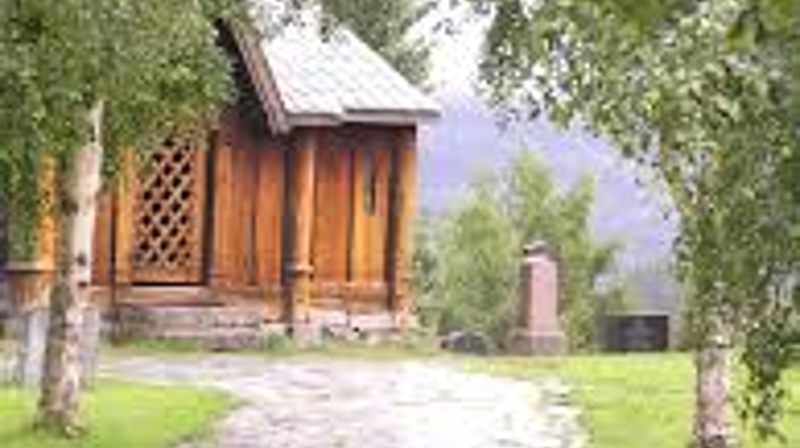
{"points": [[293, 210]]}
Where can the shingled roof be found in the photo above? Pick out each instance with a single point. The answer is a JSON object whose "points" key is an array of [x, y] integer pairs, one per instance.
{"points": [[307, 79]]}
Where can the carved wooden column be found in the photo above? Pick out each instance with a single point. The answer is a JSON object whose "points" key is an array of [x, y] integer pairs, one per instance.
{"points": [[402, 214], [301, 208]]}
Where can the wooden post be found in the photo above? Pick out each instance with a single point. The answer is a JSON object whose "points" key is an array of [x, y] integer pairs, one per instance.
{"points": [[124, 232], [403, 203], [300, 269]]}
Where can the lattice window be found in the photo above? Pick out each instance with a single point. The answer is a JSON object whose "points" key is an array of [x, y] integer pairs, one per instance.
{"points": [[168, 216]]}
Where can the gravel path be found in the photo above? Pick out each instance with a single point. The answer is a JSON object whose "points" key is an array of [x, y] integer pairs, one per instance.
{"points": [[358, 404]]}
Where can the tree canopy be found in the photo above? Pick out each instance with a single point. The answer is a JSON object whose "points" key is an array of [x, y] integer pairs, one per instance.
{"points": [[154, 63], [705, 93]]}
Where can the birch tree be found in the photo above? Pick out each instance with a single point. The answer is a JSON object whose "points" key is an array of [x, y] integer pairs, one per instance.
{"points": [[81, 82], [705, 93]]}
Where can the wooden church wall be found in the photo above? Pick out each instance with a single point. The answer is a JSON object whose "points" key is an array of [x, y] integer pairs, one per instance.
{"points": [[245, 234], [269, 212], [248, 207], [333, 209], [233, 204], [103, 244], [351, 214], [372, 160]]}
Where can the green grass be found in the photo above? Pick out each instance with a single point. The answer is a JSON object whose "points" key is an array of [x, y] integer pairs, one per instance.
{"points": [[641, 401], [281, 347], [119, 415]]}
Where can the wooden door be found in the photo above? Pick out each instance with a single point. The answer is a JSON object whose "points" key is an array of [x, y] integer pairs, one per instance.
{"points": [[169, 216]]}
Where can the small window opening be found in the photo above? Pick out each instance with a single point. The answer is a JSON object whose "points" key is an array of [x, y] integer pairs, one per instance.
{"points": [[370, 183]]}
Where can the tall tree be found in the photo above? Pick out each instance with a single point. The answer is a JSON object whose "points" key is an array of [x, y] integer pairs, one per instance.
{"points": [[79, 82], [705, 93]]}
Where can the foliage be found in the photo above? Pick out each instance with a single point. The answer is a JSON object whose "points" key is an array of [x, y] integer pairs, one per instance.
{"points": [[154, 63], [122, 415], [479, 256], [632, 401], [481, 247], [426, 271], [388, 27], [706, 94]]}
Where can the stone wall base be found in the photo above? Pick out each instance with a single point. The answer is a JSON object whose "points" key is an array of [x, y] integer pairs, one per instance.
{"points": [[28, 332], [527, 343], [231, 328]]}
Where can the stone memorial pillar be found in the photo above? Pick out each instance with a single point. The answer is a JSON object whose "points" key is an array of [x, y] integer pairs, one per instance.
{"points": [[538, 331]]}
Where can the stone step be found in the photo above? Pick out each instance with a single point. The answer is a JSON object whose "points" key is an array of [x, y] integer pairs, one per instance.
{"points": [[192, 318], [212, 328], [222, 340]]}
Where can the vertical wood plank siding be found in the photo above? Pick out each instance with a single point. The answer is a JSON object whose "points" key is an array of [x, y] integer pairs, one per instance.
{"points": [[269, 212], [370, 226], [333, 211], [221, 272], [101, 258], [249, 190]]}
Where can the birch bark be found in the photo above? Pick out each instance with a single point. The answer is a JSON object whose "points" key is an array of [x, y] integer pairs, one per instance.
{"points": [[71, 295], [713, 427]]}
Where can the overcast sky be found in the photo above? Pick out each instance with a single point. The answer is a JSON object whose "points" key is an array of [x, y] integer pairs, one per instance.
{"points": [[467, 140]]}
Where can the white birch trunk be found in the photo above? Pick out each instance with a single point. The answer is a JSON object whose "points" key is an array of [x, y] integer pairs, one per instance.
{"points": [[713, 426], [71, 297]]}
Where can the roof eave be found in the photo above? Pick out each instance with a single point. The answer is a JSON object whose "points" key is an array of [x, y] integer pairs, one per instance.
{"points": [[387, 117]]}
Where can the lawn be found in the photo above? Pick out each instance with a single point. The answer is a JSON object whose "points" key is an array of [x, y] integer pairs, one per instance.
{"points": [[119, 415], [642, 401]]}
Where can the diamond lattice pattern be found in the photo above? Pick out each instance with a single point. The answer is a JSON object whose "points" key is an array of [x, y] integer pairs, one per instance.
{"points": [[168, 216]]}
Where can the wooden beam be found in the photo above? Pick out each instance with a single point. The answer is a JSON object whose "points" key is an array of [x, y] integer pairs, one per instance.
{"points": [[402, 214], [302, 191], [126, 197]]}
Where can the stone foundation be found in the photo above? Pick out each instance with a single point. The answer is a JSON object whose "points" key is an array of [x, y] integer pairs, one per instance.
{"points": [[29, 330], [241, 327], [526, 343]]}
